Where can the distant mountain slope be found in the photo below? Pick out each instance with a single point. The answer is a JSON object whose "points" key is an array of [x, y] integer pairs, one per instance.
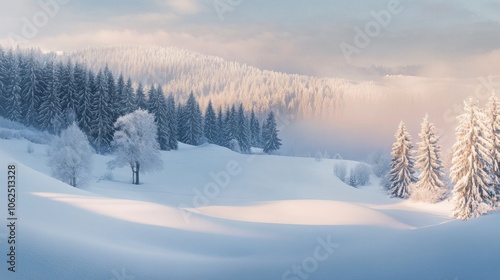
{"points": [[224, 82]]}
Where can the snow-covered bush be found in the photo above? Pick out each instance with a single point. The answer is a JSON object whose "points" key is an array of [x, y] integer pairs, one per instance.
{"points": [[359, 175], [70, 156], [136, 145], [340, 170], [29, 148], [380, 162]]}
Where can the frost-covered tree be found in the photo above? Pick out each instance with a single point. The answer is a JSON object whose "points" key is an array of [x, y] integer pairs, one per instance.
{"points": [[471, 164], [70, 156], [270, 135], [430, 186], [127, 104], [221, 135], [210, 124], [402, 171], [135, 143], [68, 95], [493, 123]]}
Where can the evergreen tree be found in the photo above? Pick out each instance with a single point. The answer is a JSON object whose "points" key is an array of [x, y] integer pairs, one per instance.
{"points": [[31, 90], [226, 134], [221, 136], [3, 78], [12, 96], [210, 124], [243, 135], [270, 135], [193, 130], [114, 100], [127, 105], [68, 95], [102, 125], [157, 106], [87, 102], [493, 122], [172, 123], [50, 109], [140, 98], [402, 166], [471, 165], [255, 132], [120, 101], [430, 186]]}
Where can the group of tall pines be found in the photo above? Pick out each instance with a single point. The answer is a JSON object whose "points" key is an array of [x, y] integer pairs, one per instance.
{"points": [[46, 93]]}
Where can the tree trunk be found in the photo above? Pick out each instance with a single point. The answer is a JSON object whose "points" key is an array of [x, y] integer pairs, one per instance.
{"points": [[138, 166]]}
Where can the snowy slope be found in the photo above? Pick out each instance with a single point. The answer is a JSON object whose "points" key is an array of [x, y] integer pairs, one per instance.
{"points": [[215, 214]]}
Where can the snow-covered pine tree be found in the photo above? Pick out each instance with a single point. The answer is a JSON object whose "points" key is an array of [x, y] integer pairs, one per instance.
{"points": [[70, 156], [255, 131], [243, 136], [86, 102], [157, 106], [402, 171], [270, 135], [127, 105], [493, 123], [221, 129], [172, 123], [226, 130], [12, 102], [193, 122], [471, 164], [68, 95], [50, 110], [31, 89], [430, 186], [135, 143], [120, 98], [3, 77], [102, 126], [114, 101], [210, 124], [140, 98]]}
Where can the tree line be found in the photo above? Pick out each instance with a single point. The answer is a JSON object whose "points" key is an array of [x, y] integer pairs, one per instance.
{"points": [[49, 94], [475, 168]]}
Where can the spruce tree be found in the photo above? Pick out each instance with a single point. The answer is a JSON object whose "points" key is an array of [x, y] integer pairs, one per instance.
{"points": [[68, 95], [221, 129], [193, 122], [243, 135], [430, 186], [102, 124], [87, 102], [471, 164], [157, 106], [210, 124], [255, 131], [270, 135], [493, 122], [12, 96], [140, 98], [50, 109], [172, 123], [31, 90], [402, 171], [128, 105]]}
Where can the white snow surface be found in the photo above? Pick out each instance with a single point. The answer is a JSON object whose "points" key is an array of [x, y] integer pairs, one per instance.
{"points": [[261, 215]]}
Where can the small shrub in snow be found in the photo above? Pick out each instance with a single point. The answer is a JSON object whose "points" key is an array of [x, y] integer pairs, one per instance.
{"points": [[340, 170], [380, 162]]}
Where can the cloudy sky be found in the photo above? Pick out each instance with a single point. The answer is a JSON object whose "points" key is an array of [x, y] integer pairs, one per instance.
{"points": [[456, 38]]}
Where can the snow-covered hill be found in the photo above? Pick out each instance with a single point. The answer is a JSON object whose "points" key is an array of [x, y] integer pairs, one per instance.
{"points": [[215, 214]]}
